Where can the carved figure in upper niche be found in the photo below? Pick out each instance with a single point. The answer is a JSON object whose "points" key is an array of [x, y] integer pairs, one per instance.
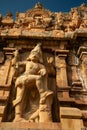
{"points": [[59, 21], [35, 74], [75, 20]]}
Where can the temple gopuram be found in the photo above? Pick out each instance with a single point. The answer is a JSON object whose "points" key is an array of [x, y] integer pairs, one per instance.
{"points": [[43, 70]]}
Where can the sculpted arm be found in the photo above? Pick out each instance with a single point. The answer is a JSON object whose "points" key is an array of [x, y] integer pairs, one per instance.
{"points": [[42, 70], [16, 66], [23, 63]]}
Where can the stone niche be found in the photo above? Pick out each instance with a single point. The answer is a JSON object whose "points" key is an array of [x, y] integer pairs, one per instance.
{"points": [[32, 100], [37, 102]]}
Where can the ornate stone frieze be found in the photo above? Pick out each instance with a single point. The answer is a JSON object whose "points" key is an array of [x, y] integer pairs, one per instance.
{"points": [[42, 20]]}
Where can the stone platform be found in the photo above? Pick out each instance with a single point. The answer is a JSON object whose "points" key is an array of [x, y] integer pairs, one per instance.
{"points": [[30, 126]]}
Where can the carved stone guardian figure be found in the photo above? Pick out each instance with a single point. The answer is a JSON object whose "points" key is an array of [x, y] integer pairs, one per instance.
{"points": [[34, 80]]}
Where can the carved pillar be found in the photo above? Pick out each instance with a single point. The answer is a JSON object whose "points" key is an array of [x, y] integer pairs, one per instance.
{"points": [[82, 53], [9, 52], [61, 74], [5, 81], [45, 110], [73, 62]]}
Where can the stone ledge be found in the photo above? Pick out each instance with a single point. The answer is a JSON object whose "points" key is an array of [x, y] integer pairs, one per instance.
{"points": [[26, 125], [61, 99], [67, 112], [3, 98]]}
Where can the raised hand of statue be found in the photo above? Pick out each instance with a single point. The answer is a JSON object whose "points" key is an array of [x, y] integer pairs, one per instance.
{"points": [[42, 72]]}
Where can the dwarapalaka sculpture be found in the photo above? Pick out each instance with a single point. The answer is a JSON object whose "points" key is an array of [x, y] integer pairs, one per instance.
{"points": [[35, 75]]}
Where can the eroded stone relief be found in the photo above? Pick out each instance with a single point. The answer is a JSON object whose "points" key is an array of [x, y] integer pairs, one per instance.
{"points": [[57, 24], [45, 82], [35, 75]]}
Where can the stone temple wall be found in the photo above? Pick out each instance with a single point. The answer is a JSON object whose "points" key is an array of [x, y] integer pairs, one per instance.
{"points": [[63, 38]]}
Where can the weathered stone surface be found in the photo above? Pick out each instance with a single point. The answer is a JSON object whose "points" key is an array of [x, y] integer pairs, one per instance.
{"points": [[61, 72], [35, 75], [72, 124], [71, 118], [32, 126], [68, 112], [43, 22]]}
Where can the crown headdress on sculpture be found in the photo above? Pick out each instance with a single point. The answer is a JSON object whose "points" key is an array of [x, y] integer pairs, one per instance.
{"points": [[37, 51]]}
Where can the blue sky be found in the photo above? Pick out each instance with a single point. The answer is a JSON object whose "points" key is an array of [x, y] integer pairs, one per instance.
{"points": [[23, 5]]}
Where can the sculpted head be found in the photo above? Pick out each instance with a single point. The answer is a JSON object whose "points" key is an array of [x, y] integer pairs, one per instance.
{"points": [[36, 54]]}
